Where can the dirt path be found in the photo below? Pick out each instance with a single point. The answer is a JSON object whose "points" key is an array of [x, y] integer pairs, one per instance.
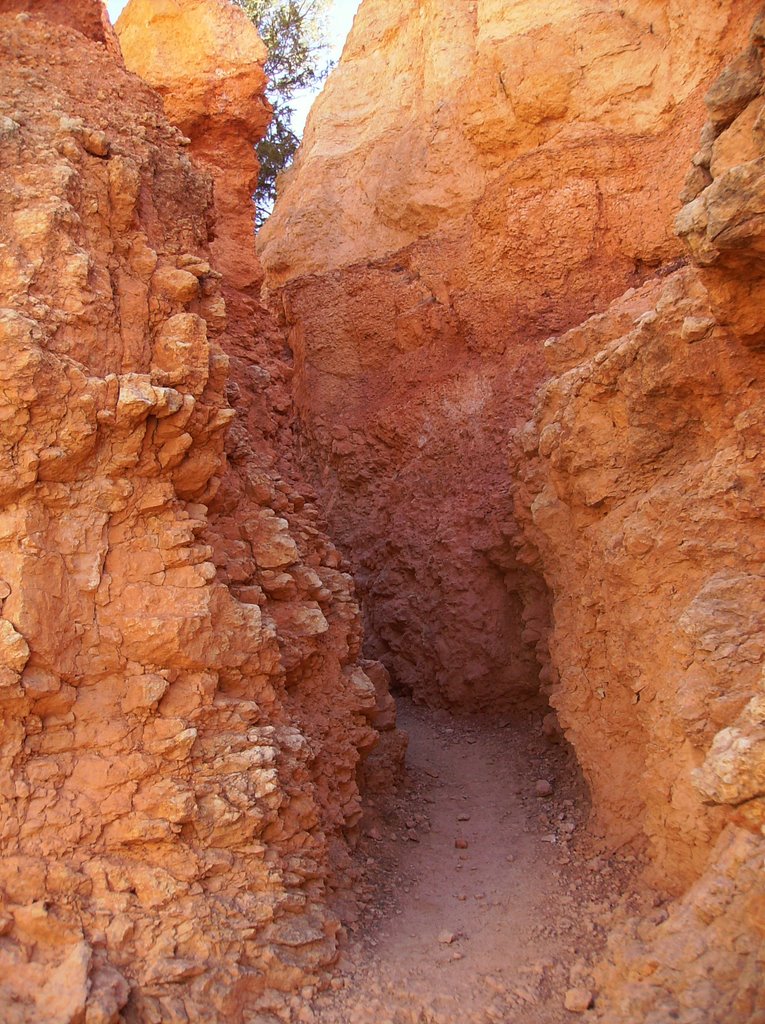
{"points": [[476, 910]]}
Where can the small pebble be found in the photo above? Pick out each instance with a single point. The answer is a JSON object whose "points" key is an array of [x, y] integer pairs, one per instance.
{"points": [[578, 1000], [543, 788]]}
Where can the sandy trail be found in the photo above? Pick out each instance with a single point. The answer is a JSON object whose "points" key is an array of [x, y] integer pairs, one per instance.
{"points": [[497, 931]]}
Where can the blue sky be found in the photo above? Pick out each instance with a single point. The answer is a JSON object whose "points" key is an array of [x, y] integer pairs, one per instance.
{"points": [[340, 19]]}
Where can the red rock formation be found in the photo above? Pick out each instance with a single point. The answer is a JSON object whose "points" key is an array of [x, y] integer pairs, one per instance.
{"points": [[520, 173], [205, 59], [520, 176], [170, 819], [655, 641], [641, 493], [87, 16], [184, 712]]}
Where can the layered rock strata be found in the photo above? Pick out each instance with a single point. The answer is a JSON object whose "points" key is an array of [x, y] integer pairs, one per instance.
{"points": [[520, 173], [642, 499], [205, 59], [183, 709]]}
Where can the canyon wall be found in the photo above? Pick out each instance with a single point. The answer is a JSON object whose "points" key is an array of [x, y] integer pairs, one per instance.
{"points": [[184, 713], [640, 492], [486, 197], [205, 59], [474, 177]]}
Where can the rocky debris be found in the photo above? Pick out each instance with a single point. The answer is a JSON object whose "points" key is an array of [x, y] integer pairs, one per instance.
{"points": [[422, 248], [184, 711], [657, 600]]}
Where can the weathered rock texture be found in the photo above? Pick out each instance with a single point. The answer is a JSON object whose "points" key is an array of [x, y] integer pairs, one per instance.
{"points": [[214, 91], [89, 17], [520, 176], [475, 176], [205, 59], [641, 493], [183, 711]]}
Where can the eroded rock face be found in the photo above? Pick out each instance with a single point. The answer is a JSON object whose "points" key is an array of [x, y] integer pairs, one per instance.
{"points": [[641, 495], [169, 817], [640, 487], [205, 58], [88, 16], [722, 221], [520, 174]]}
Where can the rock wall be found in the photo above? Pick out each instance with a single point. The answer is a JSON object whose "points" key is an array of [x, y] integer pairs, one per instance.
{"points": [[179, 647], [89, 18], [186, 719], [474, 177], [520, 179], [639, 487], [640, 490], [205, 59]]}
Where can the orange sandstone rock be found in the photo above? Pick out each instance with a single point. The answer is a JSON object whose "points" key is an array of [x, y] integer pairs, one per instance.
{"points": [[207, 61], [639, 482], [640, 489], [205, 58], [636, 480], [86, 16], [171, 811], [474, 177]]}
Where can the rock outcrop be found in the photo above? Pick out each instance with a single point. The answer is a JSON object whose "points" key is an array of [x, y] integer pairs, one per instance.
{"points": [[183, 708], [87, 16], [205, 59], [474, 177], [640, 487], [421, 251]]}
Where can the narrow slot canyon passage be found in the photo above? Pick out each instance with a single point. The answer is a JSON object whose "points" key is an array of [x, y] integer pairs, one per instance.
{"points": [[477, 417], [481, 900]]}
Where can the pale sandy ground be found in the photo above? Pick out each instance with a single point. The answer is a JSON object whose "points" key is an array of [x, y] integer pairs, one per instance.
{"points": [[497, 932]]}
